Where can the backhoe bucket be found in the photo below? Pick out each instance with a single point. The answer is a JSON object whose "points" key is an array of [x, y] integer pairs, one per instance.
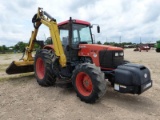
{"points": [[20, 67]]}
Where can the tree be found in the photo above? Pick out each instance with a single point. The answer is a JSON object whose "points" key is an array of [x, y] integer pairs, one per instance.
{"points": [[110, 43], [99, 42], [48, 41], [3, 49], [120, 44], [20, 46]]}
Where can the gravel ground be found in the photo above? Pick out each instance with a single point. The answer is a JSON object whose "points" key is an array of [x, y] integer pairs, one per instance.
{"points": [[22, 98]]}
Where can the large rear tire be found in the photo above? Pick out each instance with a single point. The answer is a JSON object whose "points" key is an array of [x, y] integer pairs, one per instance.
{"points": [[43, 67], [89, 82]]}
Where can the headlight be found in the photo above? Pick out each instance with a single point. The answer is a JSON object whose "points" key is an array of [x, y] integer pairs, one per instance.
{"points": [[116, 54], [121, 54]]}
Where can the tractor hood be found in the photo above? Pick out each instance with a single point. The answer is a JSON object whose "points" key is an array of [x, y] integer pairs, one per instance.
{"points": [[98, 47], [105, 56]]}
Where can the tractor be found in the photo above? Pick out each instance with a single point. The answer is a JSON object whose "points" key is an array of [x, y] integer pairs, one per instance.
{"points": [[141, 47], [74, 58], [158, 46]]}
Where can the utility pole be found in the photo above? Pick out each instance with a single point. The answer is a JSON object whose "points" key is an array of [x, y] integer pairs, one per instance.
{"points": [[45, 36], [106, 40], [120, 39]]}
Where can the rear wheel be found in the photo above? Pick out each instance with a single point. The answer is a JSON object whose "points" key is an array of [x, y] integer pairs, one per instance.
{"points": [[89, 82], [43, 67]]}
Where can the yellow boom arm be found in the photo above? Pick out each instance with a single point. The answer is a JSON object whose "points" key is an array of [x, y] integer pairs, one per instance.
{"points": [[46, 19], [26, 63]]}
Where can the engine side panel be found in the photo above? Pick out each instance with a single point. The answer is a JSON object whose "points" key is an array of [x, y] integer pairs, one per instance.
{"points": [[100, 56], [110, 59]]}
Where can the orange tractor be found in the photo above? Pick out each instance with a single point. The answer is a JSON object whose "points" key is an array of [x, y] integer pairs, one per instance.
{"points": [[74, 58]]}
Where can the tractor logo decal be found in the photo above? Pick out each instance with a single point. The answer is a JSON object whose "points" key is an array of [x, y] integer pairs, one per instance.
{"points": [[94, 55], [82, 46], [145, 75]]}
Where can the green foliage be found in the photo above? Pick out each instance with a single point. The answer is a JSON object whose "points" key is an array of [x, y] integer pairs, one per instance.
{"points": [[48, 41], [36, 46], [3, 49], [99, 42], [20, 46], [120, 44]]}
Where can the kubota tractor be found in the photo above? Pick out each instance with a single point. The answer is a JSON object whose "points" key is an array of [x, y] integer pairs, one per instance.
{"points": [[74, 58]]}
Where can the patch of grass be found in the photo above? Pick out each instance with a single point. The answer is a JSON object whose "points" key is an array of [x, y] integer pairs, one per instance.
{"points": [[18, 76], [7, 57], [3, 67]]}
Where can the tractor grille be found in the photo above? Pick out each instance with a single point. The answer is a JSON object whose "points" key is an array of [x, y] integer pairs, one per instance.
{"points": [[110, 59]]}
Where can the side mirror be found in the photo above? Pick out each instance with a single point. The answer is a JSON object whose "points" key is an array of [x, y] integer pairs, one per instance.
{"points": [[98, 29]]}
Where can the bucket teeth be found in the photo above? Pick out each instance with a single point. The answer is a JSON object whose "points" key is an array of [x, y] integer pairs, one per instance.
{"points": [[14, 69]]}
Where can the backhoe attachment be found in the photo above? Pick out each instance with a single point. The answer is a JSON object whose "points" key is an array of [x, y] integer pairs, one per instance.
{"points": [[26, 64], [19, 67]]}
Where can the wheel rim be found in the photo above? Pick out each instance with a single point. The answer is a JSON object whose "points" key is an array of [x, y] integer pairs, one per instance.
{"points": [[84, 84], [40, 70]]}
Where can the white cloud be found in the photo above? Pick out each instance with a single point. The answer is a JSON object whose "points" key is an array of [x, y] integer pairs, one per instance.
{"points": [[128, 19]]}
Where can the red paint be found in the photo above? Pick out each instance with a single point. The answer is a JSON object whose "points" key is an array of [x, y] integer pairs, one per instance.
{"points": [[48, 47], [92, 50], [84, 84], [107, 68], [75, 21], [40, 69]]}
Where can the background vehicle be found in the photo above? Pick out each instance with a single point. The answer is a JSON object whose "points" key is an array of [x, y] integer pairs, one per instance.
{"points": [[158, 46], [144, 47], [141, 47], [74, 58]]}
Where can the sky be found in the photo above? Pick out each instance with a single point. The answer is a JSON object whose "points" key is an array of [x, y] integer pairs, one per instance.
{"points": [[130, 20]]}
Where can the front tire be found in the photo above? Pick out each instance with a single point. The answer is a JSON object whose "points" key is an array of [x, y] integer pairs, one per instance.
{"points": [[43, 69], [89, 82]]}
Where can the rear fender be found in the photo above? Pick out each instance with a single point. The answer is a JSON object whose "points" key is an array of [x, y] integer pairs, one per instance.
{"points": [[48, 47]]}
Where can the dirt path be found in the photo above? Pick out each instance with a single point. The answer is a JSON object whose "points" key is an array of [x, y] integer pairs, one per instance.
{"points": [[22, 98]]}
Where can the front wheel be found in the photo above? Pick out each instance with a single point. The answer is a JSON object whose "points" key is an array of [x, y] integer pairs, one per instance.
{"points": [[42, 67], [89, 82]]}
